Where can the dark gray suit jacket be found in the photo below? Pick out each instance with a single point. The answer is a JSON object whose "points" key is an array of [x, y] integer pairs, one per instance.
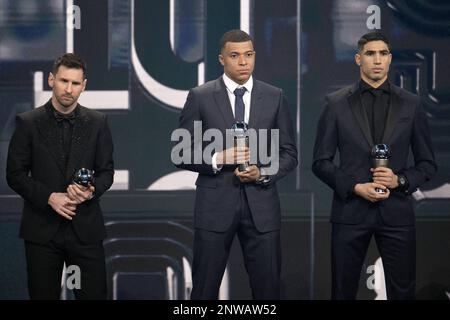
{"points": [[217, 193]]}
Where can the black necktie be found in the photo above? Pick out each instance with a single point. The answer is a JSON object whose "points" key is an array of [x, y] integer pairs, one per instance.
{"points": [[239, 107], [377, 115]]}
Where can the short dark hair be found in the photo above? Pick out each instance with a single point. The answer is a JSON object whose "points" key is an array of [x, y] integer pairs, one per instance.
{"points": [[372, 36], [234, 35], [71, 61]]}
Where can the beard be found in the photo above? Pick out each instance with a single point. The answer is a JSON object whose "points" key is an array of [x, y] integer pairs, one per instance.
{"points": [[378, 76], [66, 103]]}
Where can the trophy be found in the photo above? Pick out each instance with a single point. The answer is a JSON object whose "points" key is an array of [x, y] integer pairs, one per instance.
{"points": [[380, 158], [239, 132], [84, 177]]}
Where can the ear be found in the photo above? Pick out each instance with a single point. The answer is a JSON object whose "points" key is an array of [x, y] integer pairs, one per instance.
{"points": [[221, 60], [358, 59], [51, 79], [84, 84]]}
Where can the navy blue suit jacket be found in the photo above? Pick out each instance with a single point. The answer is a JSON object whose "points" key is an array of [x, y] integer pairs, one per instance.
{"points": [[218, 193]]}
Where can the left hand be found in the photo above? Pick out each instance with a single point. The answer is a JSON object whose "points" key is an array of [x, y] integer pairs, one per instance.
{"points": [[251, 174], [385, 176], [79, 193]]}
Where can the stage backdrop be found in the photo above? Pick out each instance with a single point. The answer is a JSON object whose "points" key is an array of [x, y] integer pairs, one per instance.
{"points": [[144, 56]]}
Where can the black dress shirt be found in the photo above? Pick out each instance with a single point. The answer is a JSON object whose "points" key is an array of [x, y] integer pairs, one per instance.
{"points": [[376, 103]]}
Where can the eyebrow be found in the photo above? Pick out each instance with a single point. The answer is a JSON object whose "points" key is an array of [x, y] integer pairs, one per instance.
{"points": [[381, 51], [74, 82], [249, 51]]}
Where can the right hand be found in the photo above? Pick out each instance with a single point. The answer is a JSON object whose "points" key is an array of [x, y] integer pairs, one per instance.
{"points": [[233, 156], [61, 203], [367, 191], [79, 194]]}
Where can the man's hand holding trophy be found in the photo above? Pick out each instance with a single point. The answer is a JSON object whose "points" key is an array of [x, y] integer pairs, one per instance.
{"points": [[82, 187]]}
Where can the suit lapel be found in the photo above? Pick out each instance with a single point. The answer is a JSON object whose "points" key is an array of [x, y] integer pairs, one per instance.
{"points": [[354, 100], [48, 129], [255, 105], [223, 102], [394, 110], [80, 135]]}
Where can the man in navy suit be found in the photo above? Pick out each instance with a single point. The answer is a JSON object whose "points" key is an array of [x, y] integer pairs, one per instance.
{"points": [[230, 202], [373, 111]]}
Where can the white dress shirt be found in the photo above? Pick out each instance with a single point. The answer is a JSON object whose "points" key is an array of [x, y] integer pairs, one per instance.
{"points": [[231, 86]]}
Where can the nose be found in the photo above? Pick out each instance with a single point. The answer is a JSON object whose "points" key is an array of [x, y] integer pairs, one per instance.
{"points": [[69, 88], [377, 58], [242, 61]]}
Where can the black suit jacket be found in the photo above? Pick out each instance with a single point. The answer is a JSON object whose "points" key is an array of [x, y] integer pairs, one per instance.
{"points": [[36, 168], [343, 126], [218, 193]]}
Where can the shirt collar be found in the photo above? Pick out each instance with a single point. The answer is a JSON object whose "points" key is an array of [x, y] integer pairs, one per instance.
{"points": [[231, 85], [61, 116], [364, 86]]}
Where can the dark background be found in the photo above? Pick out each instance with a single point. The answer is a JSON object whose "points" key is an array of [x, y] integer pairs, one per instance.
{"points": [[305, 47]]}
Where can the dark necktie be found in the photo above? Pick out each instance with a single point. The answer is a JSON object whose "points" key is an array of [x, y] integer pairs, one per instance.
{"points": [[377, 115], [239, 107]]}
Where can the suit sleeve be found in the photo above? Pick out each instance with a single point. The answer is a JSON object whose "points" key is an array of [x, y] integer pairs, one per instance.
{"points": [[424, 163], [288, 155], [192, 153], [19, 165], [104, 163], [324, 152]]}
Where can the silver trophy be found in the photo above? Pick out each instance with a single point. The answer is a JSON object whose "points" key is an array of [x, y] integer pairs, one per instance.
{"points": [[239, 132], [84, 177], [380, 158]]}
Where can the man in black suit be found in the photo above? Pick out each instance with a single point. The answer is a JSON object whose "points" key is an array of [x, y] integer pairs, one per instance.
{"points": [[62, 221], [230, 202], [373, 111]]}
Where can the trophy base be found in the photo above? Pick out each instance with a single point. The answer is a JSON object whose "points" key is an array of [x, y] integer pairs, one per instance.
{"points": [[382, 191]]}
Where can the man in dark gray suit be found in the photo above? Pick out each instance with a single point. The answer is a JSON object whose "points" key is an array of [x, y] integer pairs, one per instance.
{"points": [[369, 112], [230, 202]]}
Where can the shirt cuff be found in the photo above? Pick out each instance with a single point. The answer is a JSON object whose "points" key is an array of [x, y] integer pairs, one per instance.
{"points": [[215, 167]]}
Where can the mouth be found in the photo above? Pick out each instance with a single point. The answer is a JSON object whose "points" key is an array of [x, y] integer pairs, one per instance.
{"points": [[377, 70]]}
